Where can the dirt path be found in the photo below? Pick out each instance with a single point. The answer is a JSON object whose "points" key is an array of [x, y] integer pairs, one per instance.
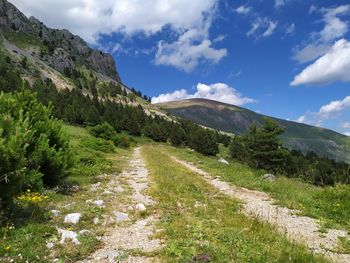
{"points": [[300, 229], [131, 236]]}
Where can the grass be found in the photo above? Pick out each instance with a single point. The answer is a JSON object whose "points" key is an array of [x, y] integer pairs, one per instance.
{"points": [[329, 204], [33, 226], [200, 225], [23, 40]]}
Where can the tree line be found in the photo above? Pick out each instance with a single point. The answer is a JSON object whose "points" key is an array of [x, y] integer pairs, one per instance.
{"points": [[261, 148]]}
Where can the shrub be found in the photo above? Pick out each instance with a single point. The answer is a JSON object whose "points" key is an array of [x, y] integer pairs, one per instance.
{"points": [[103, 131], [34, 151]]}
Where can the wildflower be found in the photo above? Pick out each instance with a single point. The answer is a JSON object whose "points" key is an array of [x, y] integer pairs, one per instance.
{"points": [[7, 248]]}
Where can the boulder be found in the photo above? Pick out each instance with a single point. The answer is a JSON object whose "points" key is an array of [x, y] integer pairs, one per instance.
{"points": [[140, 207], [120, 217], [72, 218], [269, 177], [68, 235], [223, 161]]}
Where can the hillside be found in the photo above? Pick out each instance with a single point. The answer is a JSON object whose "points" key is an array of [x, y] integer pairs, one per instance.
{"points": [[233, 119]]}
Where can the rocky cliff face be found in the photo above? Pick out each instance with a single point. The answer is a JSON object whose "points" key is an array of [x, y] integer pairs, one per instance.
{"points": [[60, 49]]}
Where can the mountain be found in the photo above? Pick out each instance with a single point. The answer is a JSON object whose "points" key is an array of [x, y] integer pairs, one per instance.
{"points": [[233, 119], [58, 49]]}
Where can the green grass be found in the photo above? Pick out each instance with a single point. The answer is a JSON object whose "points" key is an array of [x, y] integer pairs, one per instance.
{"points": [[23, 40], [31, 227], [329, 204], [198, 223]]}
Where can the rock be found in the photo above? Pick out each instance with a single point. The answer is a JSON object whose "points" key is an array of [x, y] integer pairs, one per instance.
{"points": [[96, 221], [68, 235], [223, 161], [107, 192], [55, 213], [50, 245], [99, 203], [118, 189], [269, 177], [72, 218], [95, 187], [120, 217], [140, 207]]}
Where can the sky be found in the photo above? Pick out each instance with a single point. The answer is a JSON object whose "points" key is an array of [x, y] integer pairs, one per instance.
{"points": [[284, 58]]}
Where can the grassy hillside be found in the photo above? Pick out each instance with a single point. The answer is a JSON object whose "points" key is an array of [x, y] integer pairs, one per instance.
{"points": [[237, 120]]}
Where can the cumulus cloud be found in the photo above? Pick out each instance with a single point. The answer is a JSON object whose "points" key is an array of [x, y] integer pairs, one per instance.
{"points": [[93, 18], [189, 50], [244, 10], [268, 26], [328, 111], [218, 91], [320, 42], [290, 29], [331, 67]]}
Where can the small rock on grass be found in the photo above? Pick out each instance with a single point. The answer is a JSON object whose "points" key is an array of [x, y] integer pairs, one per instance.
{"points": [[99, 203], [67, 235], [96, 221], [223, 161], [55, 213], [120, 217], [269, 177], [72, 218], [140, 207]]}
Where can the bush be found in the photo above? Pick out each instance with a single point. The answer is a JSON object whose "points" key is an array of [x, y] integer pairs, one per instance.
{"points": [[34, 151], [98, 144], [103, 131]]}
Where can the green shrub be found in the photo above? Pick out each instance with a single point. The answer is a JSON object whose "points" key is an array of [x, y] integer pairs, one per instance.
{"points": [[98, 144], [33, 149], [104, 131]]}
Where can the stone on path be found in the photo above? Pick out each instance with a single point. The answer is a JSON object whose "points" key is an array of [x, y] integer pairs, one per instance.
{"points": [[72, 218], [68, 235], [120, 217], [140, 207]]}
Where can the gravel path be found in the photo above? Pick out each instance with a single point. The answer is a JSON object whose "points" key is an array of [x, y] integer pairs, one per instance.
{"points": [[302, 229], [134, 236]]}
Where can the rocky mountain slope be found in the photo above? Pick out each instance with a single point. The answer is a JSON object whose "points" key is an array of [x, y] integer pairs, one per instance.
{"points": [[60, 49], [233, 119]]}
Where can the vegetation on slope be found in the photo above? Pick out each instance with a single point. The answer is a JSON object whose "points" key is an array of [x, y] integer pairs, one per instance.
{"points": [[238, 120]]}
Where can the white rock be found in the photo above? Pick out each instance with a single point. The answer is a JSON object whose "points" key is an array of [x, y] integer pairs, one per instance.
{"points": [[107, 192], [50, 245], [120, 217], [222, 160], [269, 177], [68, 235], [118, 189], [140, 207], [96, 221], [72, 218], [107, 220], [99, 203], [55, 212]]}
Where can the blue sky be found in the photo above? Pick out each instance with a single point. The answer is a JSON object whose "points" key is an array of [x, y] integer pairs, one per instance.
{"points": [[285, 58]]}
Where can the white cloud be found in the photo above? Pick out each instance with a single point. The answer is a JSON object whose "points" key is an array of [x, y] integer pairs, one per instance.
{"points": [[331, 67], [268, 25], [218, 91], [347, 133], [346, 125], [290, 29], [334, 27], [328, 111], [270, 29], [310, 52], [189, 50], [320, 42], [243, 10], [189, 21], [279, 3]]}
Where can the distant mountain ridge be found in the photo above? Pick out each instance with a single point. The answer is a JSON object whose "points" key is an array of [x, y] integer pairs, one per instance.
{"points": [[233, 119]]}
